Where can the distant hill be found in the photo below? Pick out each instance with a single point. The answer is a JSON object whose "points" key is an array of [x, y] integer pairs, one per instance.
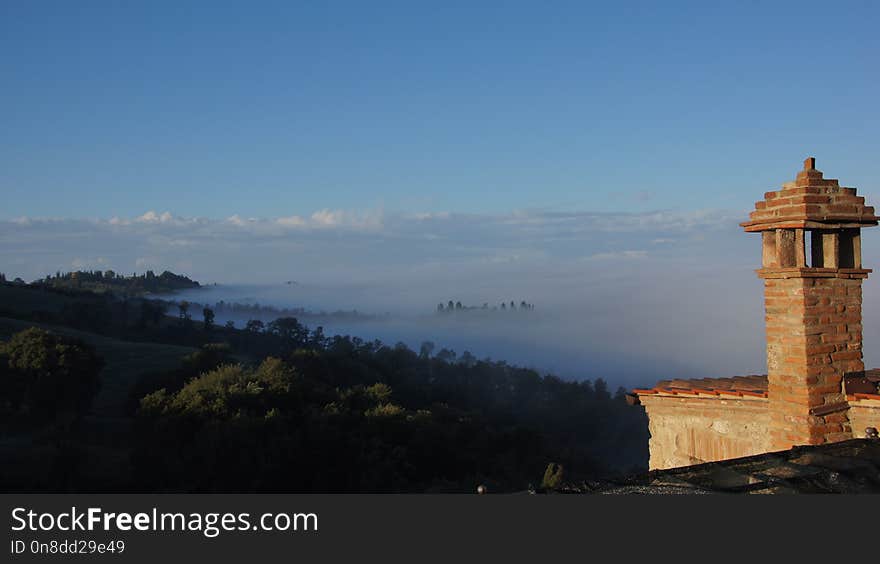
{"points": [[109, 281]]}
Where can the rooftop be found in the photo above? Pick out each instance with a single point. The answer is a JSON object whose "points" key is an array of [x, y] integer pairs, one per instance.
{"points": [[739, 386], [851, 466], [859, 386]]}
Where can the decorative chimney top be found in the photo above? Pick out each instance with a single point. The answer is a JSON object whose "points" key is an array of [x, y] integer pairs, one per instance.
{"points": [[810, 202]]}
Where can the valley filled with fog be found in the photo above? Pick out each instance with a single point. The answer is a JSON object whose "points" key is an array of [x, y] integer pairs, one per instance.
{"points": [[631, 298], [630, 332]]}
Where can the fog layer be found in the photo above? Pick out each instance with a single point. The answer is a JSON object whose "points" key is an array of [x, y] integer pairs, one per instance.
{"points": [[627, 297]]}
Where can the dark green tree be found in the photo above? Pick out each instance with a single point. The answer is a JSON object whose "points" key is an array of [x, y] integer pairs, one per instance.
{"points": [[426, 349], [49, 376], [446, 355], [183, 308], [318, 340], [289, 329], [208, 316], [151, 313]]}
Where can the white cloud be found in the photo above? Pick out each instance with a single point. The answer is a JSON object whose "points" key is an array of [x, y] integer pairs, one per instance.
{"points": [[359, 245], [153, 217], [181, 242], [424, 216], [291, 221], [334, 219], [98, 263], [237, 220], [146, 263], [618, 255]]}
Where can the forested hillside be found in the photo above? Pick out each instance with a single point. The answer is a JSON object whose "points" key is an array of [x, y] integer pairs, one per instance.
{"points": [[279, 407], [109, 281]]}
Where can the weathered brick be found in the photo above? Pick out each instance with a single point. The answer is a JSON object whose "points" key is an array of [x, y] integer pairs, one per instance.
{"points": [[814, 326], [813, 329]]}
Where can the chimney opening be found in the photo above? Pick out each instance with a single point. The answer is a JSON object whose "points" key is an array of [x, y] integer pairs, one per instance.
{"points": [[809, 261]]}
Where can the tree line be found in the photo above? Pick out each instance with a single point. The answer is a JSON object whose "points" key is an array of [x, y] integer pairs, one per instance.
{"points": [[457, 306], [108, 280], [263, 312]]}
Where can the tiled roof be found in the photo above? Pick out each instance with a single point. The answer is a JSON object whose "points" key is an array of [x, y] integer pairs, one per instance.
{"points": [[739, 386], [860, 386], [863, 386]]}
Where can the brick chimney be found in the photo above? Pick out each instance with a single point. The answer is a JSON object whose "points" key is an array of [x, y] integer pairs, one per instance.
{"points": [[812, 272]]}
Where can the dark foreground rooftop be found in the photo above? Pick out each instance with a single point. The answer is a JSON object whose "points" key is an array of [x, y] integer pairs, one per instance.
{"points": [[846, 467]]}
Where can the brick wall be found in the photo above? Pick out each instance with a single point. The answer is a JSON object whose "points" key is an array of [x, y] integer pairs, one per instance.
{"points": [[691, 430], [814, 336]]}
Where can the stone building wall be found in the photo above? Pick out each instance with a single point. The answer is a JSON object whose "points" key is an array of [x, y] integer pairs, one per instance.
{"points": [[694, 429], [864, 413]]}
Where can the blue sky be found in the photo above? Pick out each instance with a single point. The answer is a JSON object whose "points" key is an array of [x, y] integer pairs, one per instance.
{"points": [[592, 159], [264, 109]]}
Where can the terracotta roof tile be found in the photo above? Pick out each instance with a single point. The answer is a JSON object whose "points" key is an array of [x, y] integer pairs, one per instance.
{"points": [[862, 385], [856, 397], [752, 386]]}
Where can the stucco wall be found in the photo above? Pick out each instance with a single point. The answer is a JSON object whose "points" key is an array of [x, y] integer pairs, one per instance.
{"points": [[692, 430], [862, 414]]}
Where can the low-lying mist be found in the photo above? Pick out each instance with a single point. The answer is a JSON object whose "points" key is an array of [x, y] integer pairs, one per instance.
{"points": [[631, 322], [630, 298]]}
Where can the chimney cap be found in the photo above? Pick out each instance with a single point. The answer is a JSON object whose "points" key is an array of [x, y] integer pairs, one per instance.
{"points": [[811, 202]]}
